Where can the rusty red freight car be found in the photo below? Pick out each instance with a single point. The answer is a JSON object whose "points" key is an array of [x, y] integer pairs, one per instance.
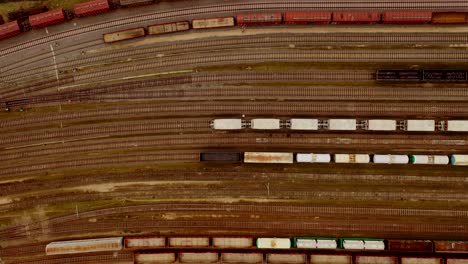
{"points": [[450, 18], [48, 18], [9, 29], [302, 18], [356, 17], [406, 17], [451, 246], [410, 245], [91, 8], [259, 19]]}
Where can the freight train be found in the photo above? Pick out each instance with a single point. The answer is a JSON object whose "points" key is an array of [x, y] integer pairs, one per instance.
{"points": [[289, 158], [422, 75], [241, 242], [314, 124]]}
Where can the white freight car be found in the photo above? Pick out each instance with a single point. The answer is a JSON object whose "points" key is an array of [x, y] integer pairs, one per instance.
{"points": [[429, 159], [268, 157], [376, 260], [321, 243], [303, 124], [391, 159], [353, 244], [85, 245], [276, 243], [374, 245], [352, 158], [145, 242], [198, 257], [313, 158], [457, 261], [292, 258], [246, 258], [153, 258], [381, 125], [213, 22], [265, 123], [410, 260], [420, 125], [456, 125], [459, 159], [330, 259], [232, 242], [227, 124], [189, 241], [342, 124]]}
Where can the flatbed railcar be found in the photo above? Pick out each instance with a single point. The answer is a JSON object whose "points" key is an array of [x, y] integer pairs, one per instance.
{"points": [[168, 28], [124, 35]]}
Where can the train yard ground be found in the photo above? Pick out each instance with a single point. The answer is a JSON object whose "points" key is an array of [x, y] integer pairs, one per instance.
{"points": [[101, 140]]}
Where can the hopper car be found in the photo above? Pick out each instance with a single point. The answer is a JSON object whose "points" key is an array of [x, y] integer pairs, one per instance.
{"points": [[289, 157], [248, 242]]}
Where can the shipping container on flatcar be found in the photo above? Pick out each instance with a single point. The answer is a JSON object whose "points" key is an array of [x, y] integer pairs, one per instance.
{"points": [[268, 157], [168, 28], [459, 159], [302, 18], [245, 258], [451, 246], [356, 17], [341, 124], [124, 35], [398, 75], [351, 158], [456, 125], [132, 3], [457, 261], [313, 158], [330, 259], [9, 29], [189, 241], [406, 17], [420, 125], [227, 123], [145, 242], [381, 125], [48, 18], [429, 159], [303, 124], [449, 18], [221, 156], [156, 257], [283, 258], [421, 260], [376, 260], [259, 19], [91, 8], [265, 123], [85, 245], [217, 22], [390, 159], [410, 245], [198, 257], [232, 242], [274, 243], [444, 75]]}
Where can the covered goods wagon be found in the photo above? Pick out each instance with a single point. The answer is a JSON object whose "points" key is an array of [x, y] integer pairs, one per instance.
{"points": [[303, 124], [459, 159], [457, 261], [221, 156], [168, 28], [48, 18], [213, 22], [281, 258], [245, 258], [451, 246], [342, 124], [259, 19], [429, 159], [274, 243], [84, 246], [9, 29], [153, 258], [376, 260], [390, 159], [131, 3], [268, 157], [265, 123], [330, 259], [124, 35], [198, 257], [232, 242], [299, 18], [313, 158], [356, 17], [227, 124], [145, 242], [398, 75], [456, 125], [421, 260], [407, 17], [351, 158], [189, 241], [420, 125], [410, 245], [91, 8], [381, 125], [450, 18]]}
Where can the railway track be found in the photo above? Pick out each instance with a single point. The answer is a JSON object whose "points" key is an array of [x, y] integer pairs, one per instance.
{"points": [[452, 5]]}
